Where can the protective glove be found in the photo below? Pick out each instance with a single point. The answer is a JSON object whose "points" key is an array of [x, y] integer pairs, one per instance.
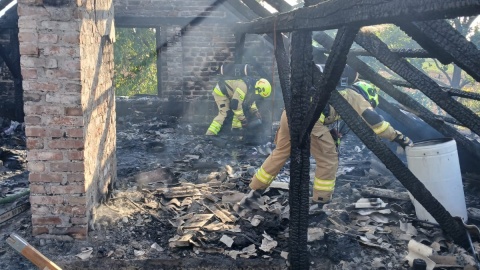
{"points": [[244, 123], [402, 140]]}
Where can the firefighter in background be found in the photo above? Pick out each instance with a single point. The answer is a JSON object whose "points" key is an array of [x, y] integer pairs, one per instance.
{"points": [[235, 96], [363, 97]]}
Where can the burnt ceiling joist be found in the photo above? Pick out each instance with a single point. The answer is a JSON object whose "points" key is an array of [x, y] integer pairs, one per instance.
{"points": [[406, 53], [327, 15], [451, 91], [450, 46], [407, 71]]}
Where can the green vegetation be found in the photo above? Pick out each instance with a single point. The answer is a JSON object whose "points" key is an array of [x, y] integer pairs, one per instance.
{"points": [[135, 61]]}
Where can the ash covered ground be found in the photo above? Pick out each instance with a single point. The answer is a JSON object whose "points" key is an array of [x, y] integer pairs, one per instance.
{"points": [[171, 208]]}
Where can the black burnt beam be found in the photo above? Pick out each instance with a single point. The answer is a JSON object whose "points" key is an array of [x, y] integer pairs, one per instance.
{"points": [[328, 15], [407, 71], [451, 91], [406, 53], [400, 171], [448, 44], [403, 98], [284, 71], [239, 47]]}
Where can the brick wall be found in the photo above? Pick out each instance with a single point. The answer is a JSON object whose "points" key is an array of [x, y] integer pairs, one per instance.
{"points": [[69, 111], [194, 52]]}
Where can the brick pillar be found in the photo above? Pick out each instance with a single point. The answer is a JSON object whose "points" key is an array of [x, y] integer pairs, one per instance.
{"points": [[67, 68]]}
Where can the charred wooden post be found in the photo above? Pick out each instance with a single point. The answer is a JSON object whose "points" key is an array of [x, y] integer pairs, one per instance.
{"points": [[449, 44], [327, 15], [301, 82], [402, 173], [402, 98], [17, 75], [283, 67], [430, 88], [239, 46], [161, 41]]}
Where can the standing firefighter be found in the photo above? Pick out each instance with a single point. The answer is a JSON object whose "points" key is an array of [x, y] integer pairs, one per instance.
{"points": [[235, 96], [362, 97]]}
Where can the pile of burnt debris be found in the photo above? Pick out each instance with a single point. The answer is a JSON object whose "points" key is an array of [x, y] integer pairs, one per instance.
{"points": [[173, 207]]}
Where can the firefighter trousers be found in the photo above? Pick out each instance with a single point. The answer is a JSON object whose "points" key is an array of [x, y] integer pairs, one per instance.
{"points": [[323, 149], [223, 104]]}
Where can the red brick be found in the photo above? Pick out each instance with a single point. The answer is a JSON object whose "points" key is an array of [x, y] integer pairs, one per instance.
{"points": [[66, 167], [38, 199], [45, 155], [78, 232], [36, 230], [48, 38], [34, 143], [36, 166], [37, 189], [28, 49], [73, 111], [77, 210], [45, 178], [74, 200], [73, 87], [75, 155], [64, 120], [33, 120], [29, 96], [66, 144], [29, 74], [56, 133], [71, 38], [41, 86], [68, 189], [46, 220], [75, 177], [27, 37], [79, 220], [75, 133], [35, 132], [43, 109]]}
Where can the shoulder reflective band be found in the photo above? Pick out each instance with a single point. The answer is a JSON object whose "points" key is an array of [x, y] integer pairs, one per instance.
{"points": [[264, 177], [241, 94], [215, 127], [325, 185], [322, 118], [218, 91], [381, 128]]}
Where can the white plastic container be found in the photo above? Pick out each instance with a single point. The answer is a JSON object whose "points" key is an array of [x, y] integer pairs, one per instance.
{"points": [[435, 163]]}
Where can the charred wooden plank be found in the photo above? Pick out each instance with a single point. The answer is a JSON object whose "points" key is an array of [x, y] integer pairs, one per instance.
{"points": [[448, 43], [451, 91], [407, 53], [402, 98], [399, 170], [239, 46], [327, 15], [430, 88], [283, 67]]}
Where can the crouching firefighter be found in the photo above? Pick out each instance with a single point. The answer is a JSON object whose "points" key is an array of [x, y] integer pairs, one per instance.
{"points": [[235, 96], [363, 97]]}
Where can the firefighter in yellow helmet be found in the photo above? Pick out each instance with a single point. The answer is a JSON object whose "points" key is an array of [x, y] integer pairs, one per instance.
{"points": [[235, 96], [362, 97]]}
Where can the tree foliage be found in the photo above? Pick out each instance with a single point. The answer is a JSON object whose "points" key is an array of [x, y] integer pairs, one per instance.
{"points": [[135, 61]]}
